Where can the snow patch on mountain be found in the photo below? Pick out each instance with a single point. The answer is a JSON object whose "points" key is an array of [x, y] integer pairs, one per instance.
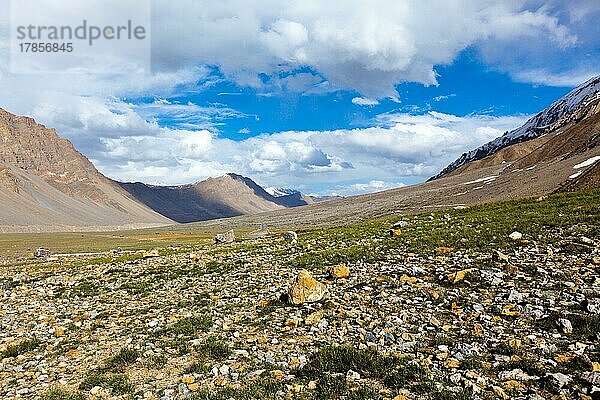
{"points": [[534, 127], [280, 192], [587, 163]]}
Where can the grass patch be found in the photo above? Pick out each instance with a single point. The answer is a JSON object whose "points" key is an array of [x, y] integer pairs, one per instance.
{"points": [[527, 365], [125, 357], [329, 366], [584, 326], [393, 371], [481, 228], [157, 361], [61, 394], [21, 348], [214, 349], [191, 326], [197, 368], [265, 389], [118, 384]]}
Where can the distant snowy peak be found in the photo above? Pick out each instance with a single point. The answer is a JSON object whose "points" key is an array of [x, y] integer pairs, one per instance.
{"points": [[280, 192], [535, 126]]}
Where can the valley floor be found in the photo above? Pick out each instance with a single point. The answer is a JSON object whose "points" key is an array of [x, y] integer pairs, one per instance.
{"points": [[446, 307]]}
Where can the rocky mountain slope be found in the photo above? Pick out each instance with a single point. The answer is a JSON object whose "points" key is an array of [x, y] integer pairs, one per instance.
{"points": [[289, 197], [295, 198], [557, 114], [227, 196], [46, 184]]}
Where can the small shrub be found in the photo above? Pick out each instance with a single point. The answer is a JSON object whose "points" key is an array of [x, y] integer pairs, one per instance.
{"points": [[61, 394], [157, 361], [213, 349], [197, 368], [21, 348], [123, 358], [118, 384], [191, 326]]}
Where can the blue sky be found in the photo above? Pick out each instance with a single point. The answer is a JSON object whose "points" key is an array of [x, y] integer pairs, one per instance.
{"points": [[344, 97], [465, 87]]}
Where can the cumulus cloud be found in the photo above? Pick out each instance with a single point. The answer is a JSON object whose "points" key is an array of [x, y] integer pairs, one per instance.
{"points": [[401, 148], [368, 47], [363, 101], [365, 46], [305, 46], [368, 187]]}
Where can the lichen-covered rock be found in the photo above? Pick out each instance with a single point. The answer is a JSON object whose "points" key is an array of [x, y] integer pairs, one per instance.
{"points": [[306, 289], [227, 237], [290, 237], [339, 271]]}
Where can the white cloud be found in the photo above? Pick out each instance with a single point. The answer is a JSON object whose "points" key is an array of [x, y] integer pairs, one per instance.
{"points": [[363, 101], [404, 148], [365, 46], [549, 78], [368, 187], [444, 97]]}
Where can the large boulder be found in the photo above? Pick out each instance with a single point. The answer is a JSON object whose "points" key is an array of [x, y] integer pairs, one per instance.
{"points": [[291, 237], [306, 289], [227, 237]]}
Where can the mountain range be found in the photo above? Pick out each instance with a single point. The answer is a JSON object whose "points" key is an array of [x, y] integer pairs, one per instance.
{"points": [[47, 185], [548, 120], [226, 196]]}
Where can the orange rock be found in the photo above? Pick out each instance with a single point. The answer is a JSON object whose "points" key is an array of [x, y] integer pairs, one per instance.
{"points": [[314, 318], [451, 363], [188, 379], [306, 289], [408, 279], [443, 250], [73, 353], [459, 276], [277, 374], [339, 271]]}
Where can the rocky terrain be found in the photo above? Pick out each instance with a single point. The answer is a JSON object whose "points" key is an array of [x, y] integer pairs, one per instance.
{"points": [[488, 302], [45, 184]]}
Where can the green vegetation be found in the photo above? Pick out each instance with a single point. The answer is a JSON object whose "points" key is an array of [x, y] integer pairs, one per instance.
{"points": [[329, 365], [482, 227], [21, 348], [157, 361], [264, 389], [584, 326], [191, 326], [118, 384], [122, 359], [213, 348], [61, 394]]}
